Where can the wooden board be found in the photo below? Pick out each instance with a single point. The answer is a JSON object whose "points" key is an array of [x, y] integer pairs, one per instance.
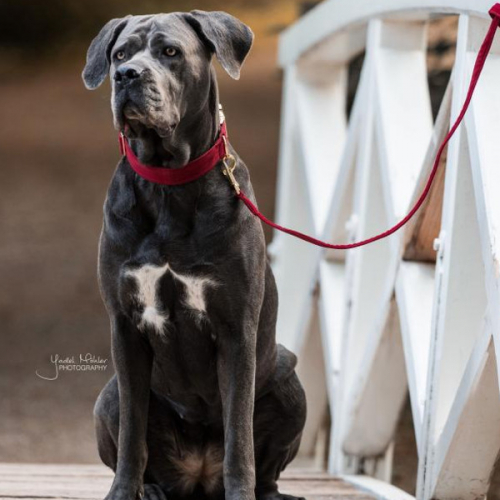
{"points": [[420, 247], [35, 481]]}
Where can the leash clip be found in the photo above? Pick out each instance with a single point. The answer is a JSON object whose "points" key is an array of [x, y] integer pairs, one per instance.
{"points": [[229, 164]]}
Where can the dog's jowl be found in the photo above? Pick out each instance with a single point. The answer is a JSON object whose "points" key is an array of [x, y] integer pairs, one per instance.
{"points": [[204, 403]]}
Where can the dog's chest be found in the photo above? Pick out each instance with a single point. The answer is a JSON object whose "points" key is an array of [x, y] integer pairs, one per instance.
{"points": [[157, 296]]}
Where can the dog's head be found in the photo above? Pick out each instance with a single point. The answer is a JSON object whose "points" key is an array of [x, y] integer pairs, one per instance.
{"points": [[160, 65]]}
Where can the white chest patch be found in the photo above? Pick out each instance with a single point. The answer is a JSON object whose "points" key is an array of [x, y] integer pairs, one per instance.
{"points": [[195, 288], [147, 278]]}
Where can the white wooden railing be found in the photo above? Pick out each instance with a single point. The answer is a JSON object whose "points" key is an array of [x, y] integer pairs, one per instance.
{"points": [[417, 312]]}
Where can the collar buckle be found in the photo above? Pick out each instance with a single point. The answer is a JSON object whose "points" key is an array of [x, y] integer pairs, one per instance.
{"points": [[229, 164]]}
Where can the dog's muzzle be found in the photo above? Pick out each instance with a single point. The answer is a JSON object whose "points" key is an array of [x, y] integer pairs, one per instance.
{"points": [[138, 98]]}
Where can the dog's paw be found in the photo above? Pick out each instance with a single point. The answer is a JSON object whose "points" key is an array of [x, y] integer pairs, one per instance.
{"points": [[153, 492], [124, 493], [278, 496]]}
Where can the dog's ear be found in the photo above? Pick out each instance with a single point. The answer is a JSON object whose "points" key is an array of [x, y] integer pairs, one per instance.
{"points": [[226, 36], [98, 55]]}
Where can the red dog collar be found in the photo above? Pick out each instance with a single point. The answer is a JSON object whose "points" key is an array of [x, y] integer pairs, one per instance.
{"points": [[176, 176]]}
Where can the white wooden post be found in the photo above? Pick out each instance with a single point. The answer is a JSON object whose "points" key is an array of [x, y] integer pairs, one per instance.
{"points": [[386, 317]]}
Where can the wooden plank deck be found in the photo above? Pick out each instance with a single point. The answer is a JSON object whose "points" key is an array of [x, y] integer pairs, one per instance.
{"points": [[89, 482]]}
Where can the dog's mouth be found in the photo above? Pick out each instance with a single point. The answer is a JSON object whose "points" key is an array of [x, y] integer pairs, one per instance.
{"points": [[141, 114], [134, 117], [135, 123], [131, 111]]}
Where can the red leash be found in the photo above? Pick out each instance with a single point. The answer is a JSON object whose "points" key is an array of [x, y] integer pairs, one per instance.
{"points": [[220, 152], [478, 67]]}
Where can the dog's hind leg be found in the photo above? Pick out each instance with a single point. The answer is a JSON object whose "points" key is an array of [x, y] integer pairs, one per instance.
{"points": [[279, 418]]}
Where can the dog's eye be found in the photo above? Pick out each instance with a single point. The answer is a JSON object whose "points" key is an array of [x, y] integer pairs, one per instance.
{"points": [[170, 52], [120, 55]]}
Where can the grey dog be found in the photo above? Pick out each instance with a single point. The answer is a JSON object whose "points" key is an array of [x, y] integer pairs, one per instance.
{"points": [[204, 403]]}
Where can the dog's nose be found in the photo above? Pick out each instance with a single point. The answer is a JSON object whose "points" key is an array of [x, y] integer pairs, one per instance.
{"points": [[125, 74]]}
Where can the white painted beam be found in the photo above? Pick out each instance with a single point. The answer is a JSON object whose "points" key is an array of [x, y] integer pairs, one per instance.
{"points": [[346, 182], [332, 16]]}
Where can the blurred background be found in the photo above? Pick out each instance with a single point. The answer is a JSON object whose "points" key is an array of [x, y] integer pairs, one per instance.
{"points": [[58, 150]]}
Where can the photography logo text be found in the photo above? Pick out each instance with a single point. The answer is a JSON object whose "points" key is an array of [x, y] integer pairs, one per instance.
{"points": [[81, 363]]}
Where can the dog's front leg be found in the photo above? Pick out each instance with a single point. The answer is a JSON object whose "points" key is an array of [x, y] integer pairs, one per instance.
{"points": [[133, 360], [236, 373]]}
